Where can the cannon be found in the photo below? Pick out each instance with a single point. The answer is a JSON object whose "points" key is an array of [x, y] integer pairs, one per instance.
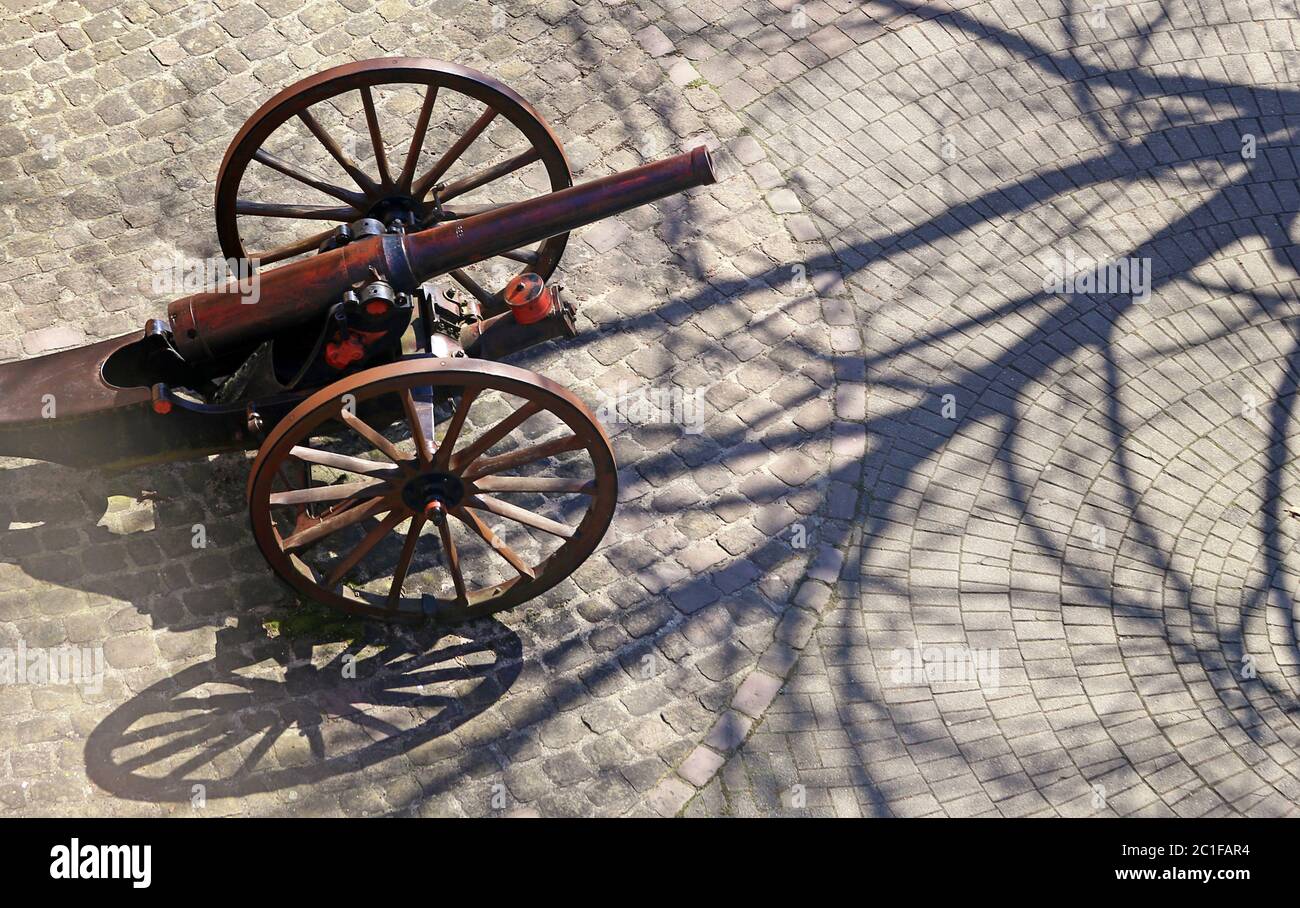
{"points": [[402, 472]]}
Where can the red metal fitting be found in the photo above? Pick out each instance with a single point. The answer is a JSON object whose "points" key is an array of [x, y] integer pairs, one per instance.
{"points": [[159, 401], [529, 298], [345, 353]]}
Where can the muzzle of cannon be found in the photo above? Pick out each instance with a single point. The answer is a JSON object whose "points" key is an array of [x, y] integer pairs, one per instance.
{"points": [[395, 479], [206, 325]]}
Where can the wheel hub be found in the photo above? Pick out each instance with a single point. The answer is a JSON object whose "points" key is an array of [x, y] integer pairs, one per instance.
{"points": [[433, 493], [402, 208]]}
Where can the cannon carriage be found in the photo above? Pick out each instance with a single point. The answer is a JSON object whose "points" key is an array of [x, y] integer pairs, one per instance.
{"points": [[390, 440]]}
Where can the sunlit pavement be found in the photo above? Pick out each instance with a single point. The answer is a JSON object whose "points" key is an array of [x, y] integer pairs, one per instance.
{"points": [[956, 532]]}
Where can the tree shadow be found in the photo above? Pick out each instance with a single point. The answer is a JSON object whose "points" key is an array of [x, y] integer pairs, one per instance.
{"points": [[1213, 220], [1067, 329]]}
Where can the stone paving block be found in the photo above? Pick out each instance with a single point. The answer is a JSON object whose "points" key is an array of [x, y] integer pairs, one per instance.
{"points": [[755, 693], [669, 796], [700, 766], [655, 42], [728, 731]]}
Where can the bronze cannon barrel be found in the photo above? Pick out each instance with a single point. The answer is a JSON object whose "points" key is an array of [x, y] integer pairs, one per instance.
{"points": [[210, 324]]}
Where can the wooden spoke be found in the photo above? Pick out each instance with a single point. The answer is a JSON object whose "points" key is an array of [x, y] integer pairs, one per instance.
{"points": [[303, 518], [527, 256], [280, 474], [417, 140], [376, 138], [420, 433], [404, 560], [488, 174], [426, 182], [453, 559], [359, 490], [289, 250], [442, 457], [494, 435], [521, 515], [336, 522], [341, 507], [472, 520], [344, 462], [421, 178], [355, 199], [523, 456], [368, 542], [535, 484], [475, 289], [386, 447], [299, 212], [349, 166]]}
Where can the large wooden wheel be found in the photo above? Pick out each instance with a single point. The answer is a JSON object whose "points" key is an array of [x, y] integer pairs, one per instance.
{"points": [[363, 498], [415, 140]]}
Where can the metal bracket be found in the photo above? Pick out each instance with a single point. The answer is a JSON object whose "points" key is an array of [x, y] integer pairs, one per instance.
{"points": [[253, 419]]}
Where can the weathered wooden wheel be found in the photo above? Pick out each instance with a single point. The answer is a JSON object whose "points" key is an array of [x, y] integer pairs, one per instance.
{"points": [[514, 492], [447, 119]]}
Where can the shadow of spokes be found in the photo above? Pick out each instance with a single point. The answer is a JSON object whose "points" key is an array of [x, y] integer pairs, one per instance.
{"points": [[269, 716]]}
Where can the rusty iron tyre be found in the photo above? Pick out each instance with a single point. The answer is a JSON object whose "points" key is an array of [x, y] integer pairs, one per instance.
{"points": [[393, 183], [361, 484]]}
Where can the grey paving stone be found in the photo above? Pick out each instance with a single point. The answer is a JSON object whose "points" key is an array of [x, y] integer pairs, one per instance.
{"points": [[935, 567], [700, 766]]}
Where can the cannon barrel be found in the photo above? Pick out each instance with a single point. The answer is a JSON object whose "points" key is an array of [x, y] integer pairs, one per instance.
{"points": [[208, 325]]}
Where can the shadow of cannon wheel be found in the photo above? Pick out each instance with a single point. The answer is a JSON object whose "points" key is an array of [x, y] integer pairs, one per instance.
{"points": [[274, 718]]}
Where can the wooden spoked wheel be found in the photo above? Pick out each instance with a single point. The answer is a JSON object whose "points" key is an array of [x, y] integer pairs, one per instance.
{"points": [[449, 488], [415, 140]]}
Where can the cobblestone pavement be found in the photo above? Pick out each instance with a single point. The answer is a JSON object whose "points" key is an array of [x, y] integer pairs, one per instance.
{"points": [[1080, 495], [114, 121], [1075, 589]]}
